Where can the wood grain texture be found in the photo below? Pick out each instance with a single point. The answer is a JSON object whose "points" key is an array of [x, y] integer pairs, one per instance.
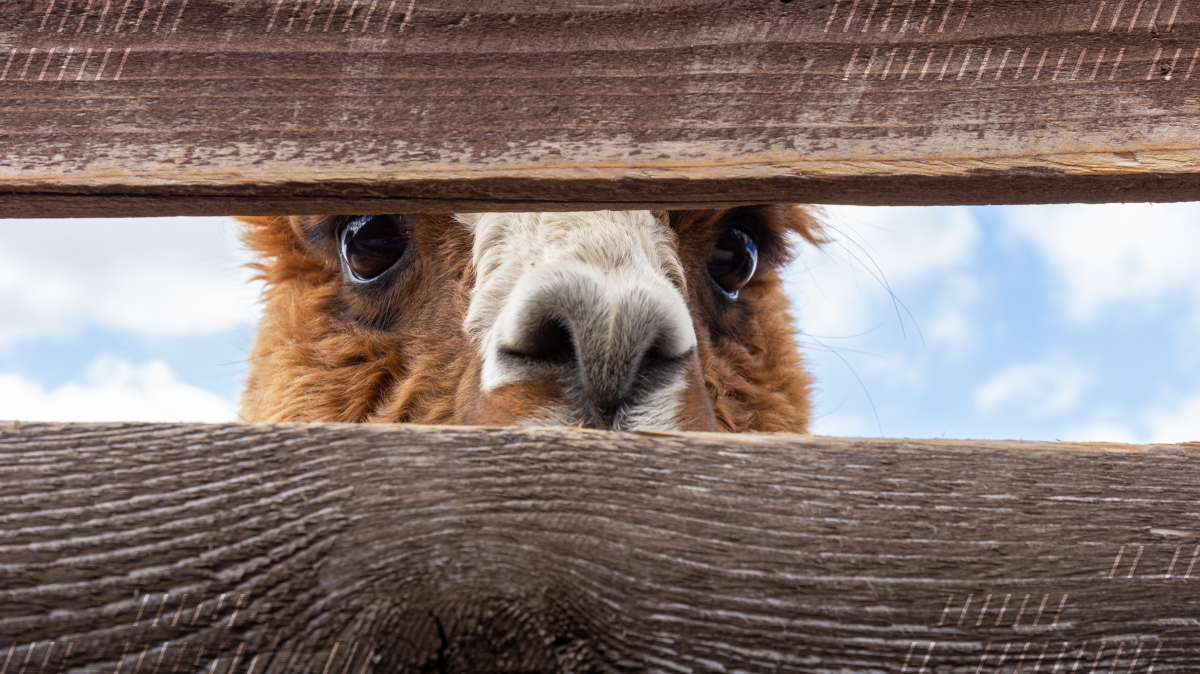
{"points": [[141, 107], [347, 549]]}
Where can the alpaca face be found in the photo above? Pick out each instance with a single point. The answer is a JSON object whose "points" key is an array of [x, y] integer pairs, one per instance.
{"points": [[632, 320]]}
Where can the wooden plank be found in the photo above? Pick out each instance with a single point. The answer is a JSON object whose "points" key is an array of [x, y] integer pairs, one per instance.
{"points": [[215, 106], [338, 548]]}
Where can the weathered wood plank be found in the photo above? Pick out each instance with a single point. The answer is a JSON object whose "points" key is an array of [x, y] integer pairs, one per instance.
{"points": [[335, 548], [216, 106]]}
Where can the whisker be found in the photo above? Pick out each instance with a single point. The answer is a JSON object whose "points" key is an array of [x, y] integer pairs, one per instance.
{"points": [[875, 412]]}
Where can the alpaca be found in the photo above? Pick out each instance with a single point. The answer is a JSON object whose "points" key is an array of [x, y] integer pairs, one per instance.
{"points": [[634, 320]]}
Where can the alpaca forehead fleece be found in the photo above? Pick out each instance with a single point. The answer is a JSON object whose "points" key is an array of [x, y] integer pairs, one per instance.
{"points": [[514, 252]]}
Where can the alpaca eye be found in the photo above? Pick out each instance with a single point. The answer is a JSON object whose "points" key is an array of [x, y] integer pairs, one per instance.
{"points": [[372, 244], [732, 262]]}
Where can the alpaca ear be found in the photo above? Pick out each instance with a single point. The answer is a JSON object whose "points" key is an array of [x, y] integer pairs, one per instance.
{"points": [[272, 235], [272, 222], [803, 220], [257, 220]]}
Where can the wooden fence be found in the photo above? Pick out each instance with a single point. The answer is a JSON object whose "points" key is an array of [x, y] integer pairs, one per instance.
{"points": [[345, 550], [322, 548], [146, 107]]}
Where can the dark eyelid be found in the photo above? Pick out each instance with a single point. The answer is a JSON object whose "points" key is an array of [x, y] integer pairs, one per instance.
{"points": [[340, 228], [327, 230], [773, 246], [337, 224]]}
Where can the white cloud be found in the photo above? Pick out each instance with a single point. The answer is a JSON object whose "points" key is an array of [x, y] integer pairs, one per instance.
{"points": [[153, 276], [1102, 255], [907, 243], [1178, 422], [1039, 389], [950, 323], [1181, 424], [845, 288], [845, 426], [113, 390], [1100, 431]]}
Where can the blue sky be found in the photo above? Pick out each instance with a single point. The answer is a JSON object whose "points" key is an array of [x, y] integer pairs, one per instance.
{"points": [[1038, 322]]}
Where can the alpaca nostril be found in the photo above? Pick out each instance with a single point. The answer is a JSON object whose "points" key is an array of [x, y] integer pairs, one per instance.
{"points": [[610, 348], [608, 417], [548, 340], [656, 358]]}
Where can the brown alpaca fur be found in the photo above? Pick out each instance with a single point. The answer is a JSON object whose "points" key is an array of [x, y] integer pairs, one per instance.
{"points": [[327, 351]]}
